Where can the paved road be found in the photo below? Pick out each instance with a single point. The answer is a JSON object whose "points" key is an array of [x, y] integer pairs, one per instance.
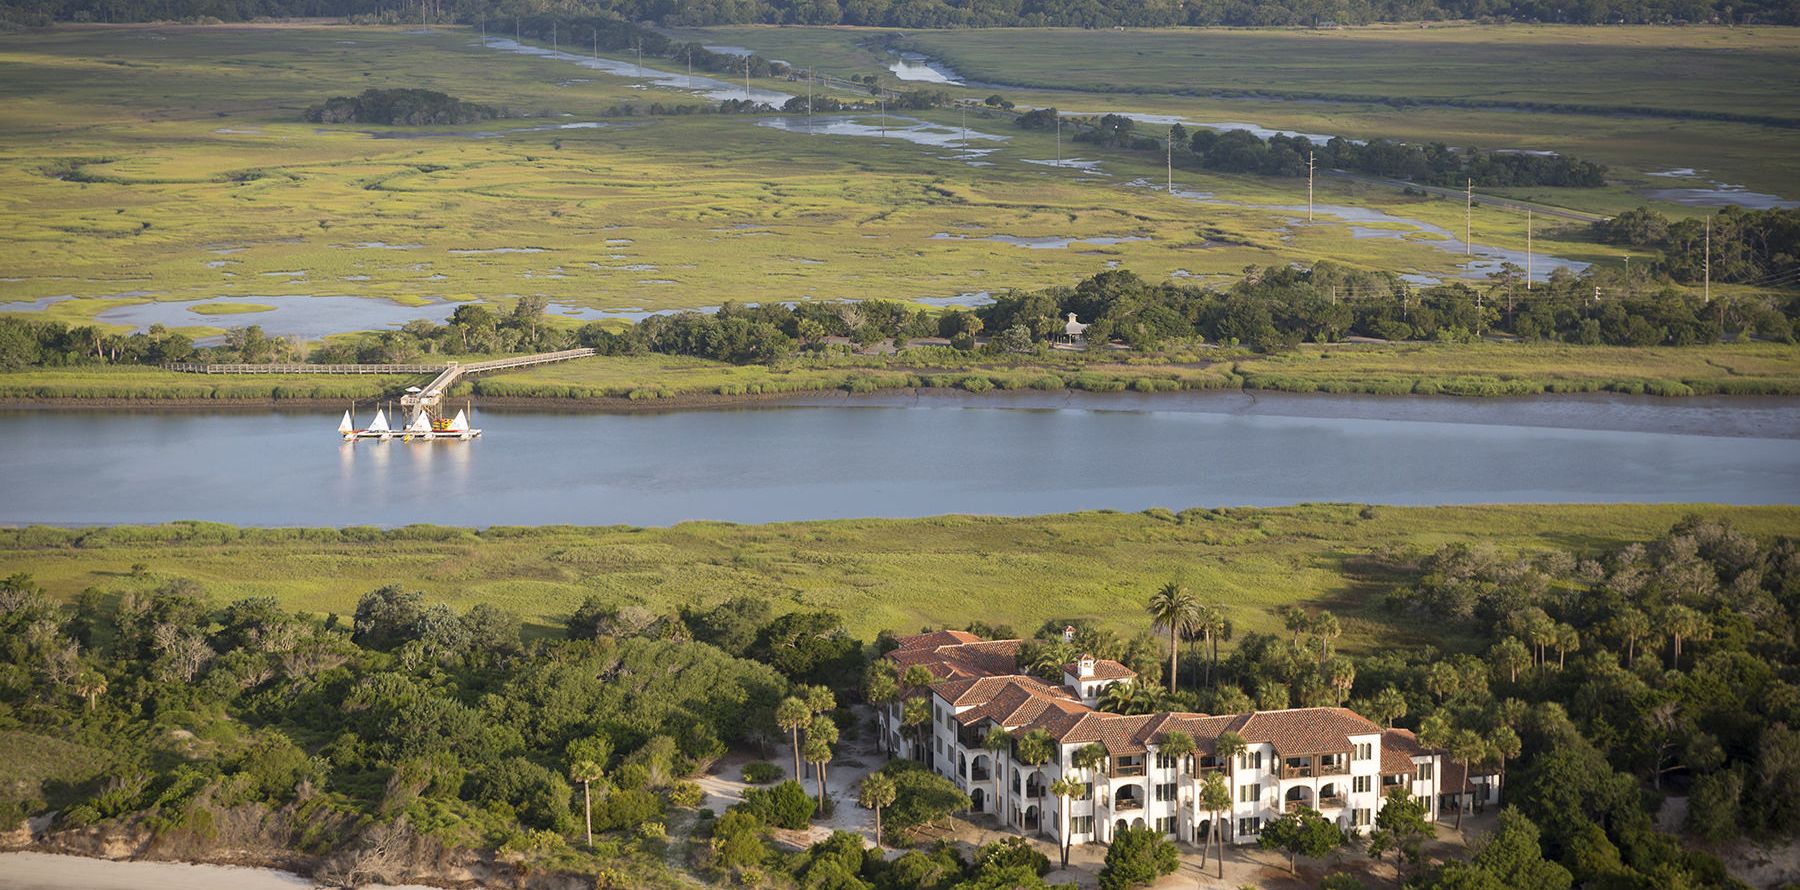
{"points": [[1513, 203]]}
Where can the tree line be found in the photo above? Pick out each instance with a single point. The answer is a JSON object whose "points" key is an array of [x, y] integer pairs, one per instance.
{"points": [[401, 107], [1758, 247], [1241, 151], [949, 13]]}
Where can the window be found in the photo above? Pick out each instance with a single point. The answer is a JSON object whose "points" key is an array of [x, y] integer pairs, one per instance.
{"points": [[1363, 751], [1166, 826], [1360, 783], [1087, 791], [1165, 791], [1250, 825], [1249, 793], [1250, 760], [1164, 761], [1359, 817], [1425, 772], [1081, 825]]}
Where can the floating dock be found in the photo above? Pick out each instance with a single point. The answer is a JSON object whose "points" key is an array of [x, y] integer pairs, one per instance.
{"points": [[422, 428]]}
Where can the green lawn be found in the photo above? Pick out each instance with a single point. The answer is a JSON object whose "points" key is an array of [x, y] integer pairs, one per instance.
{"points": [[880, 573]]}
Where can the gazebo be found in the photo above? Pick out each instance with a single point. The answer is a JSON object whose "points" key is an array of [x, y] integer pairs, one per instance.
{"points": [[1074, 332]]}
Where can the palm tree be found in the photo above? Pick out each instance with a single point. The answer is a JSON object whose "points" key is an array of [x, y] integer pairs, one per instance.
{"points": [[1179, 746], [1326, 627], [1568, 639], [791, 715], [820, 736], [1065, 789], [90, 685], [1631, 625], [1228, 747], [1341, 673], [1681, 622], [1466, 747], [877, 791], [881, 688], [587, 765], [1389, 705], [998, 742], [1215, 798], [916, 715], [1128, 697], [1295, 620], [1170, 608], [1503, 744], [1035, 749], [1511, 656]]}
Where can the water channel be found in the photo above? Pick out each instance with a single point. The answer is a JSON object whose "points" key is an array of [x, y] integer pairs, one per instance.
{"points": [[831, 456]]}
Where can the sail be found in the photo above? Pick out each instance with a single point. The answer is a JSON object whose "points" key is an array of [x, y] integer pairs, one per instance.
{"points": [[460, 424], [380, 424], [421, 423], [345, 425]]}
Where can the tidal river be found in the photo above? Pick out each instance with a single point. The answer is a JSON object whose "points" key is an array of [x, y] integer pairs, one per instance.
{"points": [[834, 456]]}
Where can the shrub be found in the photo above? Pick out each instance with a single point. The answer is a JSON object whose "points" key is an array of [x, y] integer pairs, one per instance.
{"points": [[1011, 852], [1137, 856], [786, 805], [762, 772], [625, 810], [685, 794]]}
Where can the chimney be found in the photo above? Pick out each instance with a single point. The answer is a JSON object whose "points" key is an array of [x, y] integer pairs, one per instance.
{"points": [[1085, 667], [1068, 633]]}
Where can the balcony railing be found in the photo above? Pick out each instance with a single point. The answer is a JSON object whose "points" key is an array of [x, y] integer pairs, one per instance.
{"points": [[1128, 803], [1296, 805], [1307, 771], [1034, 791], [1126, 770], [979, 775], [1336, 802]]}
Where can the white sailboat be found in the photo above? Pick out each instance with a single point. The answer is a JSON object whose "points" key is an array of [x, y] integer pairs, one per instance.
{"points": [[347, 427], [420, 426], [380, 425]]}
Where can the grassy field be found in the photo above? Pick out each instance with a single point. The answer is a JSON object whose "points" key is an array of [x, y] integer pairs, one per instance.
{"points": [[170, 163], [1456, 369], [880, 574], [1374, 72]]}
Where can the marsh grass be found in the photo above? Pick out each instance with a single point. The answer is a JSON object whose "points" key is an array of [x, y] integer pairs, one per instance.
{"points": [[879, 573]]}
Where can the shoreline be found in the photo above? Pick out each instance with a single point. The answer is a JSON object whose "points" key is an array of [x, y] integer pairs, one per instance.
{"points": [[698, 401]]}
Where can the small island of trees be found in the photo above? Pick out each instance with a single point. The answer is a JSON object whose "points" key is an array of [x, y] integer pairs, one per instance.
{"points": [[402, 107]]}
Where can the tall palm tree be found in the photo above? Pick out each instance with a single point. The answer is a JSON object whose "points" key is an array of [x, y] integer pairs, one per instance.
{"points": [[1169, 609], [90, 685], [1631, 625], [1179, 746], [998, 742], [916, 715], [1065, 788], [1128, 697], [1036, 748], [1326, 627], [792, 716], [1390, 705], [1341, 673], [1089, 758], [821, 734], [587, 765], [1681, 622], [881, 688], [1466, 747], [877, 791], [1228, 747], [1215, 798]]}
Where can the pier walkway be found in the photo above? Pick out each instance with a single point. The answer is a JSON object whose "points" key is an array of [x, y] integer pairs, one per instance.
{"points": [[428, 397]]}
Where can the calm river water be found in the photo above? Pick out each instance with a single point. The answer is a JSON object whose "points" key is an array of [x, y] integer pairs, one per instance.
{"points": [[899, 455]]}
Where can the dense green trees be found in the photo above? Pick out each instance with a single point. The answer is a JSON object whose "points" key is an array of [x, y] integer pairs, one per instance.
{"points": [[1137, 857], [1240, 151], [1758, 247], [406, 107]]}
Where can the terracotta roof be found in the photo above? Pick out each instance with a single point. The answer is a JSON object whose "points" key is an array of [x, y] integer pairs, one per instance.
{"points": [[1398, 748], [937, 638], [1104, 669], [967, 660], [1306, 730], [1455, 777], [978, 691]]}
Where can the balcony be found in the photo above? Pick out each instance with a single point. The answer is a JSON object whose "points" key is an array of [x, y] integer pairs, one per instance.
{"points": [[1294, 806], [1034, 791], [1127, 803], [1309, 770], [979, 775], [1124, 769], [1326, 803]]}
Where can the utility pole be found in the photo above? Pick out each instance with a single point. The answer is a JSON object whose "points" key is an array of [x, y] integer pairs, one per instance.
{"points": [[596, 45], [1169, 150], [884, 115], [640, 64], [516, 37], [746, 78], [1468, 218], [962, 118], [809, 81], [1528, 248], [1309, 186], [1706, 264], [1059, 140], [553, 37], [690, 61]]}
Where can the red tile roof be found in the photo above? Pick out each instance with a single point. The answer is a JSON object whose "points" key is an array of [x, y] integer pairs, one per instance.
{"points": [[1306, 730], [1104, 669], [965, 660], [937, 638], [1398, 748]]}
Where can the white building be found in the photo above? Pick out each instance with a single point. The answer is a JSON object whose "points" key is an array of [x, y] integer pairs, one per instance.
{"points": [[1329, 759]]}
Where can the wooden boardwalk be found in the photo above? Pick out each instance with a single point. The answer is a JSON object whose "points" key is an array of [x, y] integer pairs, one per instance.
{"points": [[428, 397]]}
